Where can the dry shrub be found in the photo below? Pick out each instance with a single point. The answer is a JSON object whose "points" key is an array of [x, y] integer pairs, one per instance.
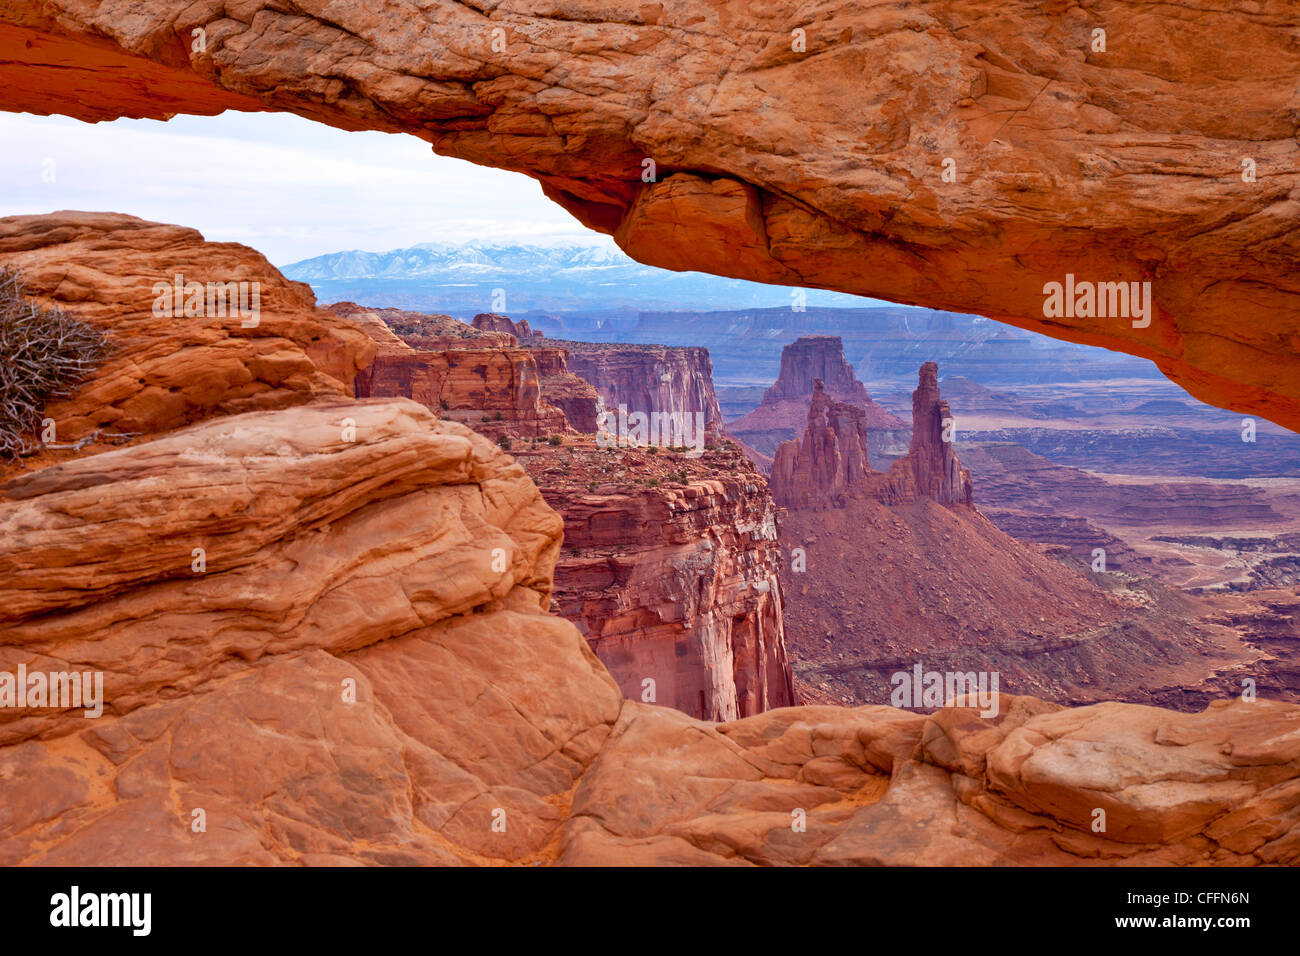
{"points": [[44, 353]]}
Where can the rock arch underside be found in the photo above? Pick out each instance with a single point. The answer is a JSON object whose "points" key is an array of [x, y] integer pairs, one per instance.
{"points": [[792, 143], [820, 166]]}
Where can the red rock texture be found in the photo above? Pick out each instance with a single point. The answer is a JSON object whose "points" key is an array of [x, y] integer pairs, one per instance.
{"points": [[649, 378], [669, 569], [574, 396], [497, 390], [884, 787], [166, 372], [495, 322], [935, 466], [1117, 165], [783, 413], [830, 464]]}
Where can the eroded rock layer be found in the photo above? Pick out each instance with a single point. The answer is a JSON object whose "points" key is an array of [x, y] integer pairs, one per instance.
{"points": [[783, 412], [181, 348], [649, 379], [669, 569], [465, 376]]}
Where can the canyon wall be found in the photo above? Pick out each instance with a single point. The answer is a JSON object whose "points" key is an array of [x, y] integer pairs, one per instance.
{"points": [[649, 378], [496, 389], [570, 393], [495, 322], [669, 569], [955, 154], [783, 412]]}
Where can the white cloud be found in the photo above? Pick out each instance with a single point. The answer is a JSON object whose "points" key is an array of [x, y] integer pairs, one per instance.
{"points": [[288, 187]]}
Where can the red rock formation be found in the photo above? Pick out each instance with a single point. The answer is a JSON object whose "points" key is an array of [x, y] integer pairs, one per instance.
{"points": [[669, 569], [494, 322], [429, 332], [831, 458], [166, 371], [649, 378], [935, 466], [830, 463], [783, 413], [966, 187], [496, 390], [884, 787], [574, 396], [472, 387], [814, 357]]}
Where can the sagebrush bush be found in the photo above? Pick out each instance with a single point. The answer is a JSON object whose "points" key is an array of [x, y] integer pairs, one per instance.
{"points": [[43, 353]]}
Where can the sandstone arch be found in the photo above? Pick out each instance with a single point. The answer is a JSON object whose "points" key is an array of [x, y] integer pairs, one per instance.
{"points": [[821, 167]]}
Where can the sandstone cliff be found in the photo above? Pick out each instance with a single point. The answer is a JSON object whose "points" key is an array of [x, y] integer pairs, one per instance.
{"points": [[783, 412], [495, 322], [649, 378], [177, 360], [573, 395], [466, 377], [669, 569]]}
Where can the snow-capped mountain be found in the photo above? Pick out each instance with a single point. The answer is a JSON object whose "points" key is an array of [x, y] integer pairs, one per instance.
{"points": [[465, 278], [442, 259]]}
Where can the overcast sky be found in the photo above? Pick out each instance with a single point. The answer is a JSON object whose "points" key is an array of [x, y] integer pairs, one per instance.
{"points": [[286, 186]]}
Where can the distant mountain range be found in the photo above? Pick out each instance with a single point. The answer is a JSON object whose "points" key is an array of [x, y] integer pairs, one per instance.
{"points": [[595, 293], [460, 279]]}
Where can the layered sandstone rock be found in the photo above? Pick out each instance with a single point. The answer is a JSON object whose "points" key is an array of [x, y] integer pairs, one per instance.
{"points": [[831, 458], [669, 569], [935, 466], [573, 395], [495, 322], [497, 390], [783, 412], [1001, 148], [877, 786], [830, 463], [339, 680], [461, 385], [175, 361], [649, 378]]}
